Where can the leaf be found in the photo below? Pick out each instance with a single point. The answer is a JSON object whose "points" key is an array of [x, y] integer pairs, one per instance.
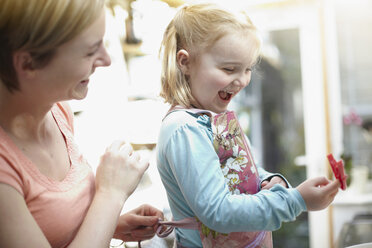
{"points": [[239, 141], [214, 234], [205, 230], [216, 143], [233, 126]]}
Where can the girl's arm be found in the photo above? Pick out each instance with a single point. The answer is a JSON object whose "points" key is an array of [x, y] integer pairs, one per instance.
{"points": [[196, 169]]}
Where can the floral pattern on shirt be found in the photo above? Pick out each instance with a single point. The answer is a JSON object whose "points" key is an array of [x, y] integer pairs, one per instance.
{"points": [[241, 177], [232, 152]]}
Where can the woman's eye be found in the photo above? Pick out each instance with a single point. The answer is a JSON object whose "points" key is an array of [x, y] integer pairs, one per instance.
{"points": [[248, 69], [91, 54]]}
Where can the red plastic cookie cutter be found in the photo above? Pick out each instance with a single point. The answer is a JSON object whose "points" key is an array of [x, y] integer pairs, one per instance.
{"points": [[338, 170]]}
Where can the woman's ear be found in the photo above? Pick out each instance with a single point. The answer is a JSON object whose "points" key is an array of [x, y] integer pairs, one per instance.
{"points": [[23, 64], [183, 61]]}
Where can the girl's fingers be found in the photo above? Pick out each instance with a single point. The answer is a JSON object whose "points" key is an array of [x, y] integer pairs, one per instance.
{"points": [[320, 181], [332, 187], [284, 184], [264, 183], [274, 180]]}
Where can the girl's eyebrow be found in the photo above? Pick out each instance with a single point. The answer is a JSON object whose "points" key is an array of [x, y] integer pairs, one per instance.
{"points": [[230, 63]]}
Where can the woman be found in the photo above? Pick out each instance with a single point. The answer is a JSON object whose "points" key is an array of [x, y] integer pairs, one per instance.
{"points": [[48, 194]]}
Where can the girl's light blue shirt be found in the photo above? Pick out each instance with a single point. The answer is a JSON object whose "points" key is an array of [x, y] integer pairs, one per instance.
{"points": [[190, 171]]}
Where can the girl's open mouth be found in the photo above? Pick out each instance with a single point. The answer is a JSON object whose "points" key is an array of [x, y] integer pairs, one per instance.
{"points": [[224, 95]]}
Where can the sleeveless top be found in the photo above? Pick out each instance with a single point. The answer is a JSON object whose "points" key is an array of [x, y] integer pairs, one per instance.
{"points": [[58, 207]]}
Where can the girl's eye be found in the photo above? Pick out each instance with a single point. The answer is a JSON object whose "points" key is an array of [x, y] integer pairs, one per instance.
{"points": [[228, 69], [248, 70]]}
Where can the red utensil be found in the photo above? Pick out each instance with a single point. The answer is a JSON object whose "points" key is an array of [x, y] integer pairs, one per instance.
{"points": [[338, 170]]}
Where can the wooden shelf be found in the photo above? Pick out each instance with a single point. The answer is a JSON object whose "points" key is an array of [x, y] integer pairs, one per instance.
{"points": [[133, 49]]}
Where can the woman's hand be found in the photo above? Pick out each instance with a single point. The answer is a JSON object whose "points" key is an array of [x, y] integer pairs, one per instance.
{"points": [[120, 170], [318, 192], [138, 224], [268, 184]]}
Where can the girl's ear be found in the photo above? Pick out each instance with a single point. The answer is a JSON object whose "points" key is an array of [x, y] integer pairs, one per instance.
{"points": [[183, 61], [23, 64]]}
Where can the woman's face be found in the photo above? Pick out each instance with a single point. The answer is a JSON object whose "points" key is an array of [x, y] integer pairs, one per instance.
{"points": [[219, 73], [66, 77]]}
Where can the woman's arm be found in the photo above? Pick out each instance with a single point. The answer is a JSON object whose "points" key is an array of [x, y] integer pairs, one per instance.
{"points": [[18, 228], [117, 176], [138, 224]]}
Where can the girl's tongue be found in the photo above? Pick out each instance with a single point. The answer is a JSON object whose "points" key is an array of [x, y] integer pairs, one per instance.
{"points": [[224, 95]]}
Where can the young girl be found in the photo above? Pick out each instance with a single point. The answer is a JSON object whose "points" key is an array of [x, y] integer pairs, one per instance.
{"points": [[208, 54]]}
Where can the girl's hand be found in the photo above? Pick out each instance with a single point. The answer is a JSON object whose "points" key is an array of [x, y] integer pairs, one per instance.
{"points": [[120, 170], [268, 184], [318, 192], [138, 224]]}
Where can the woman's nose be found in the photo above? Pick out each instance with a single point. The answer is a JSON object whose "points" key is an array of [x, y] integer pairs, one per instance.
{"points": [[104, 58]]}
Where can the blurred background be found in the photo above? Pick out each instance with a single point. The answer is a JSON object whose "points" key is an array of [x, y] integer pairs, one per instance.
{"points": [[309, 96]]}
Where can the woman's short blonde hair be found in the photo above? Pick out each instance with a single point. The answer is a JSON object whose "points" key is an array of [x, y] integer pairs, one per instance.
{"points": [[40, 27], [196, 28]]}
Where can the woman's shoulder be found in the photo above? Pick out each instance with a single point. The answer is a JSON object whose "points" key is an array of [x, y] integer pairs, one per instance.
{"points": [[63, 112]]}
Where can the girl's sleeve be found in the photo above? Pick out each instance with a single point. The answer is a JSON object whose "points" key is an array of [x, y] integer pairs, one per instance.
{"points": [[196, 169]]}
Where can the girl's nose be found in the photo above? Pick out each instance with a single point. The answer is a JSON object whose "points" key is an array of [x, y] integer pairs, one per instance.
{"points": [[237, 83], [243, 80]]}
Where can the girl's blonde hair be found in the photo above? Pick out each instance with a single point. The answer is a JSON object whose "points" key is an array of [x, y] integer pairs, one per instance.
{"points": [[196, 28], [40, 27]]}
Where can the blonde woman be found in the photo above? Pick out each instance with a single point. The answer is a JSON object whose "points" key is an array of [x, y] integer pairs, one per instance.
{"points": [[49, 196]]}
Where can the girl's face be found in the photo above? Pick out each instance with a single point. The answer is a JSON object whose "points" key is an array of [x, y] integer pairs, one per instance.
{"points": [[66, 77], [219, 73]]}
